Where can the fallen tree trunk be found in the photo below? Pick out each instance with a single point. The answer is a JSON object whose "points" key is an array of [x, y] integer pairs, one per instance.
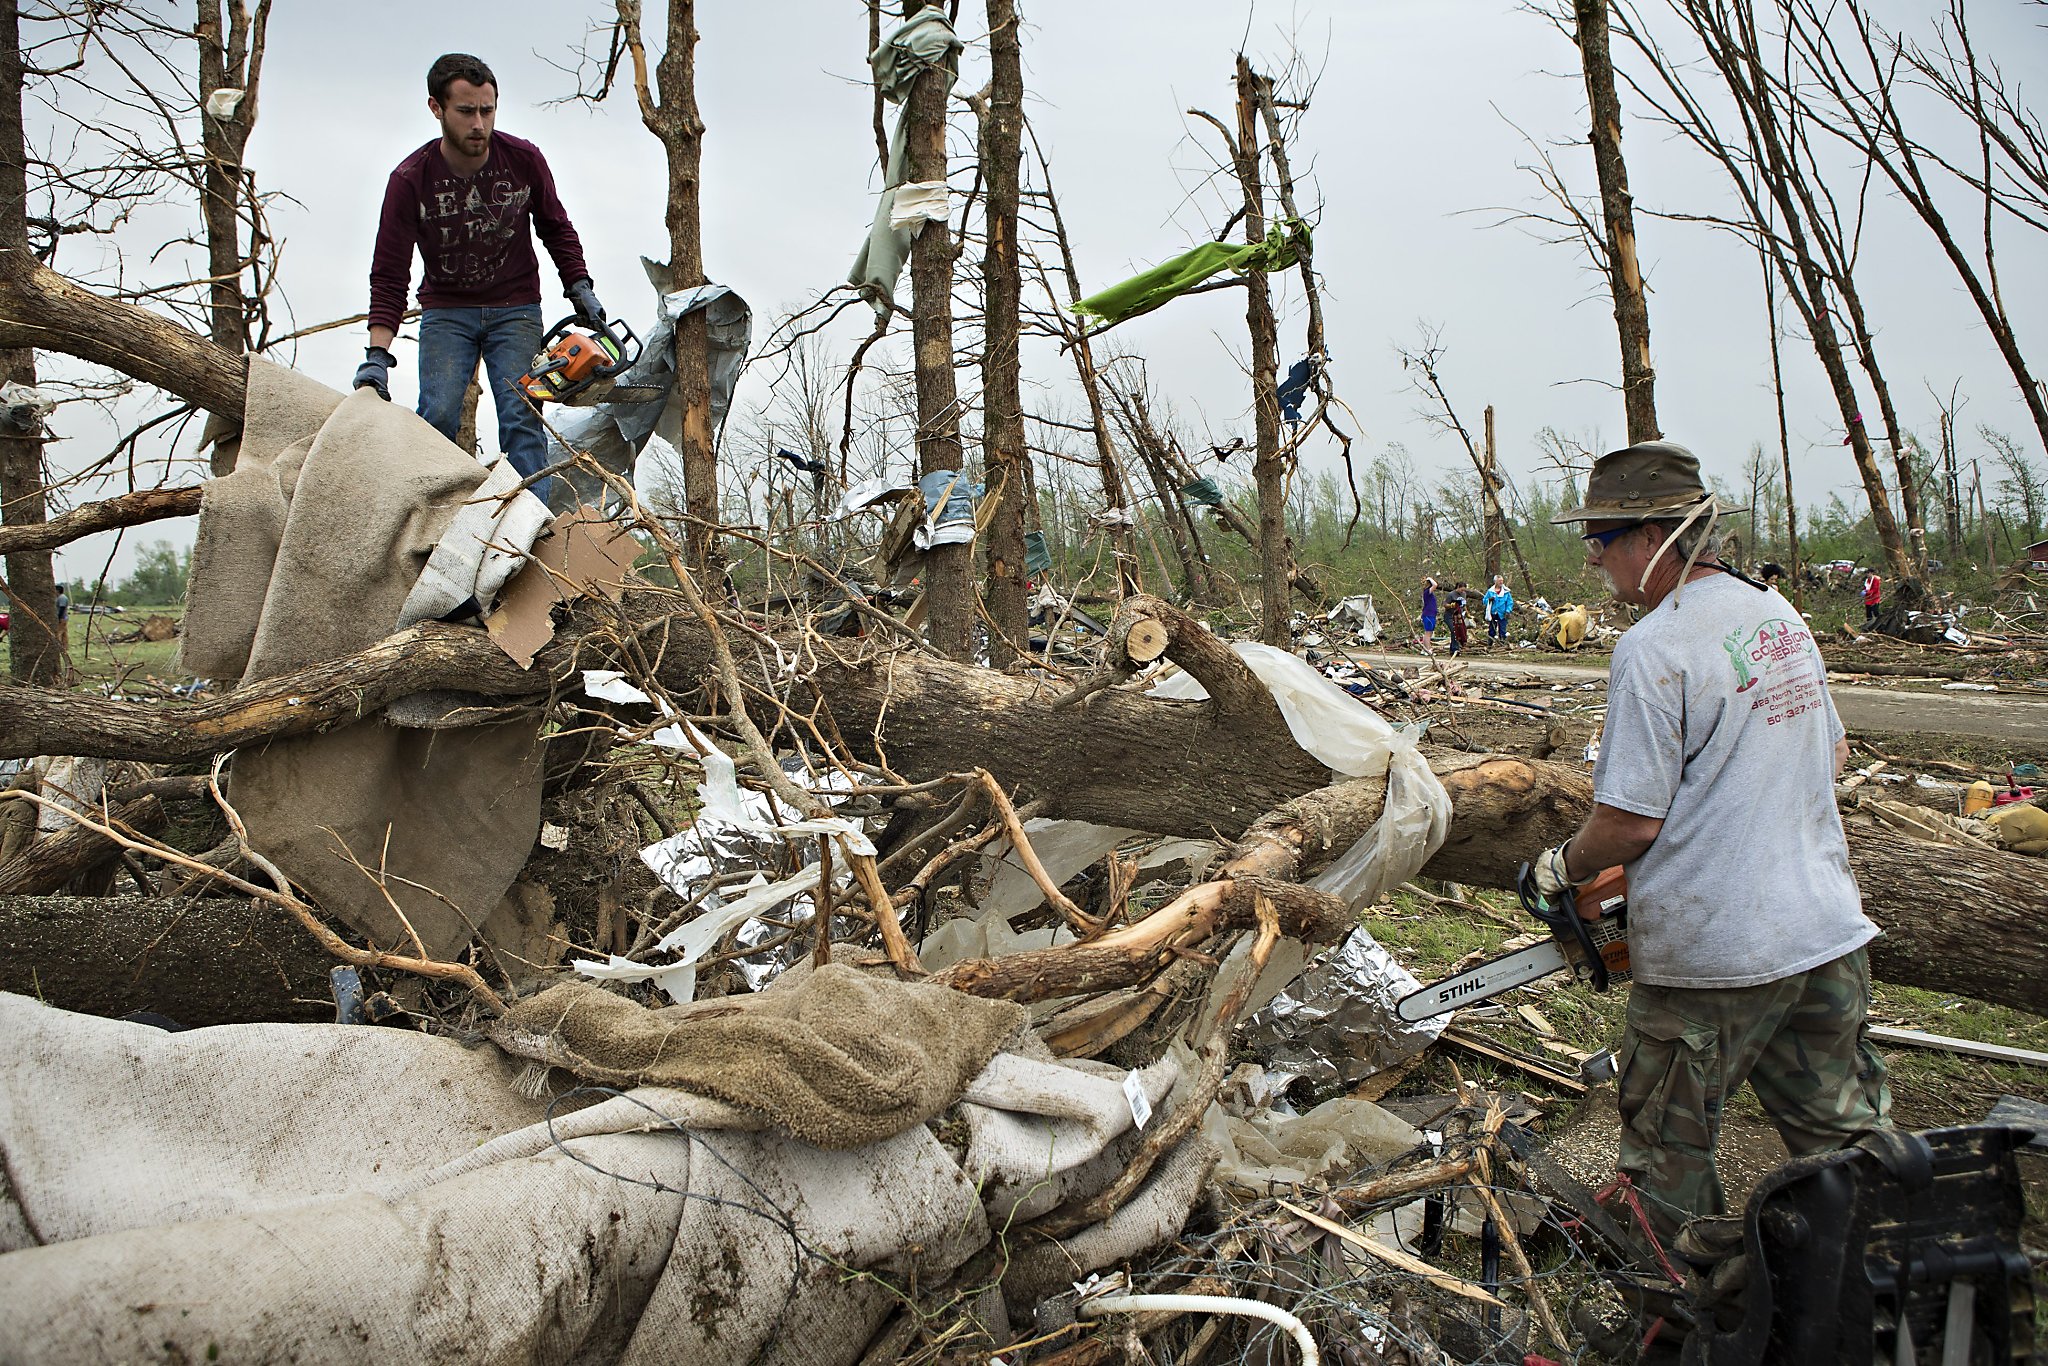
{"points": [[1117, 757], [54, 860], [41, 309], [198, 961]]}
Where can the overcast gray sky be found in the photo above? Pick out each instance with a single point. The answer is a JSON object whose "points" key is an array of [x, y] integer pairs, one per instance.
{"points": [[1411, 140]]}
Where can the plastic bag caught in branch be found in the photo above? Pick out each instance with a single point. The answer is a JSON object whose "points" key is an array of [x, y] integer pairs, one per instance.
{"points": [[1355, 742]]}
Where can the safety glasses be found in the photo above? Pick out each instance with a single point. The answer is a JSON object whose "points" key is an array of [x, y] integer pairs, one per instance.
{"points": [[1606, 538]]}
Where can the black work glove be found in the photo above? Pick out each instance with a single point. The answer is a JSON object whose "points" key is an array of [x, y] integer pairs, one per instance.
{"points": [[375, 371], [584, 296]]}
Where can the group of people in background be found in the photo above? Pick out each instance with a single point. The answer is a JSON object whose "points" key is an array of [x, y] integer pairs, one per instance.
{"points": [[1497, 604]]}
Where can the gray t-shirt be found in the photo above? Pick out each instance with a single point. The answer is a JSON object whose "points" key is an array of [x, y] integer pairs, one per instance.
{"points": [[1719, 723]]}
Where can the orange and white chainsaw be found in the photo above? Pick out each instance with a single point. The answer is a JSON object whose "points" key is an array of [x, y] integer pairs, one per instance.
{"points": [[1588, 937], [571, 360]]}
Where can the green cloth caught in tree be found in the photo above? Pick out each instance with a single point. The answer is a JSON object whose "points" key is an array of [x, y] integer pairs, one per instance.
{"points": [[1204, 491], [1143, 293]]}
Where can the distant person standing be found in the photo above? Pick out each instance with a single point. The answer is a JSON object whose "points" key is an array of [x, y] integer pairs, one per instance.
{"points": [[1770, 573], [1873, 594], [63, 618], [1454, 611], [1428, 609], [1500, 603], [465, 201]]}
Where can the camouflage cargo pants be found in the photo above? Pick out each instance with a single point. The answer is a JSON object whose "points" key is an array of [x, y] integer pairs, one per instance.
{"points": [[1800, 1044]]}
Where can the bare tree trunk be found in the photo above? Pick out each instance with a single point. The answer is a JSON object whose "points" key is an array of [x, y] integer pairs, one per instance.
{"points": [[202, 961], [1173, 509], [673, 119], [34, 653], [1490, 504], [1422, 362], [1123, 540], [1865, 99], [1269, 470], [1784, 438], [948, 581], [1617, 208], [1311, 290], [1951, 478], [51, 862], [230, 58], [1895, 436], [1224, 768], [1004, 457], [1732, 47]]}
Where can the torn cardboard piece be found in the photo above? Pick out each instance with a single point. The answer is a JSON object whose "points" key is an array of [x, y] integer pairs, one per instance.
{"points": [[581, 552]]}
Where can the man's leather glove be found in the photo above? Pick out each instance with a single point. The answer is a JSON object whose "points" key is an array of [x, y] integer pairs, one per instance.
{"points": [[375, 371], [1551, 878], [584, 296]]}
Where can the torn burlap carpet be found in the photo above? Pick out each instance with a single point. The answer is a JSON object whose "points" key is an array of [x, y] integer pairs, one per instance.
{"points": [[306, 552]]}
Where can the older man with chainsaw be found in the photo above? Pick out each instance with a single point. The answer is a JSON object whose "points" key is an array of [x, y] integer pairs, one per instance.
{"points": [[465, 202], [1715, 790]]}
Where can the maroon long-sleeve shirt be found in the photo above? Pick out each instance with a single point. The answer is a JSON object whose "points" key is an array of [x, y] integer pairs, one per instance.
{"points": [[470, 232]]}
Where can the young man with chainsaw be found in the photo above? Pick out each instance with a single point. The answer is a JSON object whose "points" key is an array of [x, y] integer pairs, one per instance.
{"points": [[465, 202], [1715, 790]]}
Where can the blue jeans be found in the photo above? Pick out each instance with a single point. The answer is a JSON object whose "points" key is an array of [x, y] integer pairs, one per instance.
{"points": [[1496, 628], [452, 340]]}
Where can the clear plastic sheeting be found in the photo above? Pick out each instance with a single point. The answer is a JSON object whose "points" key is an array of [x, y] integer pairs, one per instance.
{"points": [[1335, 1025], [985, 936], [1355, 742]]}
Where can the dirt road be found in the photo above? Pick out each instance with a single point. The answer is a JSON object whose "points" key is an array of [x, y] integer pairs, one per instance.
{"points": [[2001, 716]]}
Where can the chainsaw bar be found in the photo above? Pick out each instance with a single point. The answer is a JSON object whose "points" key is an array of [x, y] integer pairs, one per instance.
{"points": [[1608, 938], [1483, 982]]}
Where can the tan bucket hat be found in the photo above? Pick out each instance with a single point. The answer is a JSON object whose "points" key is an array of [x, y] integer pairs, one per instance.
{"points": [[1651, 479]]}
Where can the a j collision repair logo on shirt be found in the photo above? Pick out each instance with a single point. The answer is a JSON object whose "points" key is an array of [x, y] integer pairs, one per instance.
{"points": [[1777, 639], [1757, 656]]}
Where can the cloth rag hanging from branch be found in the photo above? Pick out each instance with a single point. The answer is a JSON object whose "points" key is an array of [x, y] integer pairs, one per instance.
{"points": [[1170, 279], [920, 43]]}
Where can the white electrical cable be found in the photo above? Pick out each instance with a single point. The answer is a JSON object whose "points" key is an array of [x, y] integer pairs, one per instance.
{"points": [[1209, 1304]]}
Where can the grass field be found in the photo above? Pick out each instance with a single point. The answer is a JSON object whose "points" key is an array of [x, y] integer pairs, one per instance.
{"points": [[95, 658]]}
